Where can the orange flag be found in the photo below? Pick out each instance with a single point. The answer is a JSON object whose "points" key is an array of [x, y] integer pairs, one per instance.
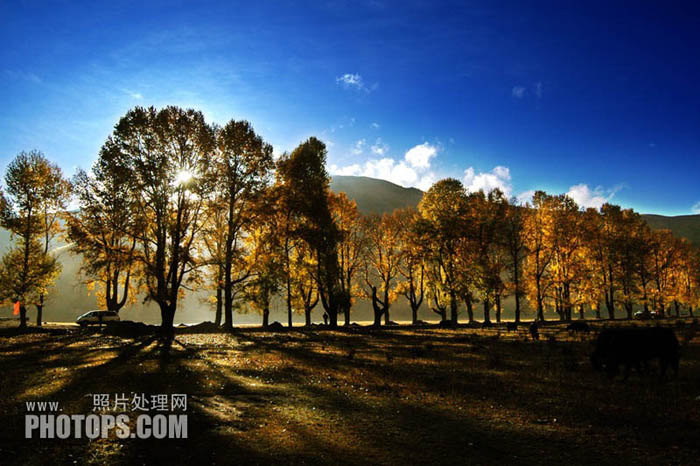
{"points": [[16, 311]]}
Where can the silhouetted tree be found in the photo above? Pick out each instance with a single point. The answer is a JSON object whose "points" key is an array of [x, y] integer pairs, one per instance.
{"points": [[167, 154]]}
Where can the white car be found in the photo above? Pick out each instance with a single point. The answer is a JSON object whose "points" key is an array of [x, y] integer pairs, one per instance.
{"points": [[97, 317]]}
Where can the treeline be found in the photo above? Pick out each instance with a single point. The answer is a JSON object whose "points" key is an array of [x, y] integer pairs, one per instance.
{"points": [[174, 204]]}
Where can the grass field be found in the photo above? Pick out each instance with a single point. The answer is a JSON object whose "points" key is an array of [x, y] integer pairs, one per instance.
{"points": [[358, 396]]}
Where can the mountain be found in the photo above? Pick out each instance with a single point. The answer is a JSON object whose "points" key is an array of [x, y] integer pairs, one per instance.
{"points": [[376, 196], [684, 226]]}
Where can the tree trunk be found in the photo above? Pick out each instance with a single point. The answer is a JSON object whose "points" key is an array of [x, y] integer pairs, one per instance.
{"points": [[580, 312], [453, 308], [414, 314], [487, 309], [289, 308], [470, 308], [517, 307], [219, 305], [167, 315], [498, 308], [346, 311], [266, 317], [39, 310], [22, 316]]}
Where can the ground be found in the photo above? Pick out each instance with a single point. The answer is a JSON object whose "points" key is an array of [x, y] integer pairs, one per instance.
{"points": [[357, 396]]}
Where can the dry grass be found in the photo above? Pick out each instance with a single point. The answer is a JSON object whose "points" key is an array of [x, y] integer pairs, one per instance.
{"points": [[398, 396]]}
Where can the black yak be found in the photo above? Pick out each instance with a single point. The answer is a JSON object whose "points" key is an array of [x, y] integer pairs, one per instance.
{"points": [[534, 331], [512, 326], [633, 347], [579, 326]]}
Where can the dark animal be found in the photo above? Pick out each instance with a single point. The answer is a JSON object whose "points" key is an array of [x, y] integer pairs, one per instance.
{"points": [[634, 347], [487, 324], [578, 326], [512, 326], [534, 331]]}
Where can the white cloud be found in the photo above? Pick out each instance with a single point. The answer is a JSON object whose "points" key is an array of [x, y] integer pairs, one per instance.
{"points": [[412, 171], [586, 197], [538, 89], [355, 81], [359, 147], [379, 148], [499, 178], [525, 197], [696, 208], [518, 92], [375, 125], [420, 155]]}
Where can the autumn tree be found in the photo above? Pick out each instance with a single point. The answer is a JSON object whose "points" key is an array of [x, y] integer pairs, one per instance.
{"points": [[167, 155], [239, 172], [443, 208], [353, 241], [412, 266], [538, 228], [565, 241], [514, 241], [35, 197], [306, 183], [266, 271], [102, 230], [305, 294], [381, 267], [485, 225]]}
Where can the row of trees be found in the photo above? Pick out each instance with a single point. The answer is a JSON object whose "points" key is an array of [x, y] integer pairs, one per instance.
{"points": [[174, 204]]}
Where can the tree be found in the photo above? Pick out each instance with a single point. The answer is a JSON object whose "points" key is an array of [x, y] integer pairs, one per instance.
{"points": [[514, 239], [382, 262], [538, 227], [444, 208], [304, 288], [412, 265], [35, 197], [102, 230], [352, 246], [306, 184], [485, 220], [265, 266], [239, 173], [167, 154], [664, 253], [565, 240]]}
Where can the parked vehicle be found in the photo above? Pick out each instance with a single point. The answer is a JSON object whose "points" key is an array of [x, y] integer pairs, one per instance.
{"points": [[646, 315], [97, 317]]}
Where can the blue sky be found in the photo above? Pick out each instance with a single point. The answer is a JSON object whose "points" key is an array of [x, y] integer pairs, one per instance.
{"points": [[597, 100]]}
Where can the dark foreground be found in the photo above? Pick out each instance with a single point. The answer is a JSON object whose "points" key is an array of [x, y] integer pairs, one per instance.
{"points": [[398, 396]]}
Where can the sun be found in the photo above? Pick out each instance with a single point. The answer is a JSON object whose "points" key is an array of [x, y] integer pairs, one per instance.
{"points": [[183, 177]]}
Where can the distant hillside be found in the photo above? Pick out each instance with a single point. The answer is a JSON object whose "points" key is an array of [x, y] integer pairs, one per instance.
{"points": [[376, 196], [685, 226]]}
